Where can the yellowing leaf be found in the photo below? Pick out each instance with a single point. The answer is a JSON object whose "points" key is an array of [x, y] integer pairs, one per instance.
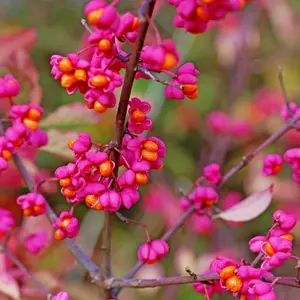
{"points": [[249, 209], [9, 286], [71, 114], [58, 143]]}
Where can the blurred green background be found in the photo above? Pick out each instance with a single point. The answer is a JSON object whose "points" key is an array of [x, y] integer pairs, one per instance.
{"points": [[272, 40]]}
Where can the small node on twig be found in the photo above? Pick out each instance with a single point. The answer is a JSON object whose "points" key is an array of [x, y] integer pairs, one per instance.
{"points": [[86, 26], [283, 89], [182, 193], [191, 273]]}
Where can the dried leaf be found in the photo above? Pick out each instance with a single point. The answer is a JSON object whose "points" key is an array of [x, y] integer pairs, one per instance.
{"points": [[71, 114], [250, 208], [9, 286], [58, 143]]}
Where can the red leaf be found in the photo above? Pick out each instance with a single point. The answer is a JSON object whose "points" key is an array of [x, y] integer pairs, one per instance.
{"points": [[249, 209], [21, 60], [23, 39]]}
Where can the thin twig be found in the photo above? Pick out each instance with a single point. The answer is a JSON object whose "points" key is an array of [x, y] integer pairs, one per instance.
{"points": [[154, 77], [129, 221], [86, 25], [283, 89], [94, 271], [24, 270], [147, 283], [163, 281], [246, 159]]}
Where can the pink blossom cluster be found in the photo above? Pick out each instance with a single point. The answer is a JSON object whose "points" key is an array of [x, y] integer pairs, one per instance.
{"points": [[32, 204], [212, 173], [290, 111], [194, 16], [152, 251], [221, 123], [90, 178], [187, 78], [24, 123], [7, 222], [203, 199], [277, 246], [272, 163], [9, 87], [98, 77], [36, 242], [247, 281], [292, 157]]}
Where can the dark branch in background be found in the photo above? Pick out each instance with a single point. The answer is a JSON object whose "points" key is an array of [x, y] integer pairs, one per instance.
{"points": [[23, 269], [146, 10]]}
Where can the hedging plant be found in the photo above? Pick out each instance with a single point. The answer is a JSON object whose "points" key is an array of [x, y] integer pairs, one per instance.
{"points": [[94, 177]]}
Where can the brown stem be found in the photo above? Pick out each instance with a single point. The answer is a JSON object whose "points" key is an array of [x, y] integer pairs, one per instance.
{"points": [[147, 283], [146, 9], [150, 283]]}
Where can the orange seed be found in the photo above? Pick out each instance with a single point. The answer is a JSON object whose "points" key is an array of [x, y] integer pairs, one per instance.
{"points": [[106, 168], [141, 178], [34, 114], [150, 146], [138, 116], [99, 107], [94, 16], [6, 154], [234, 284], [80, 75], [31, 124], [150, 156], [67, 80], [65, 65], [99, 81], [105, 45], [169, 62], [227, 272], [64, 182]]}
